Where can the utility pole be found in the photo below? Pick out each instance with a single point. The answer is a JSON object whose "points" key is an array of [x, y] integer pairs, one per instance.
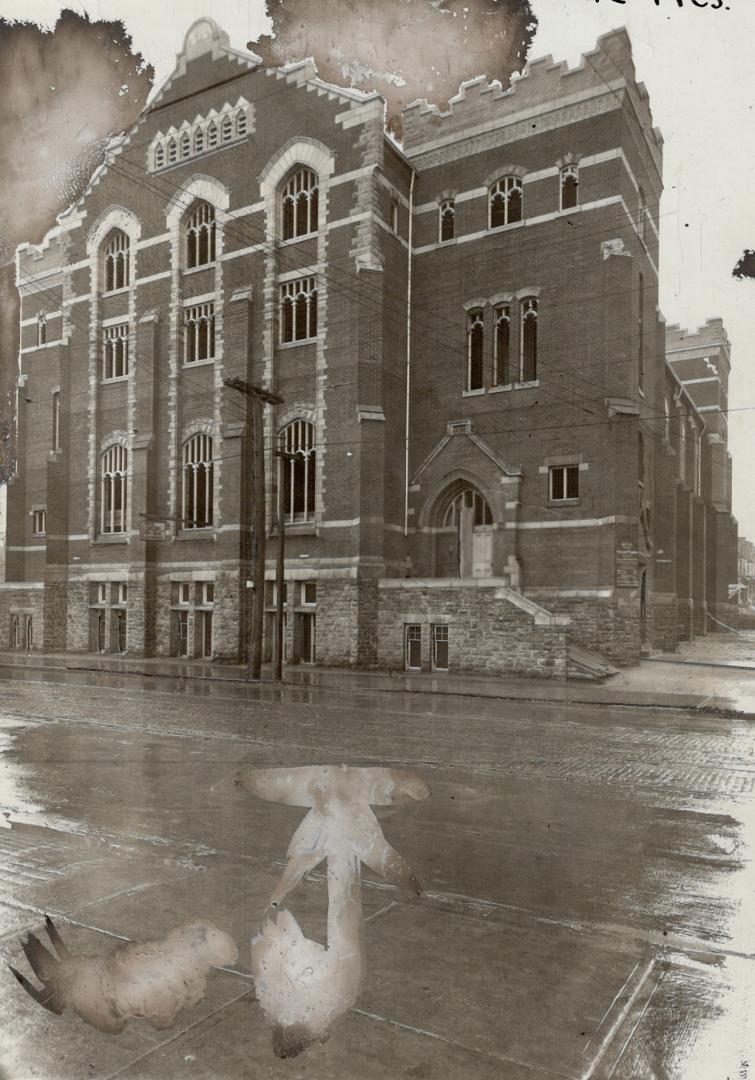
{"points": [[282, 455], [256, 433]]}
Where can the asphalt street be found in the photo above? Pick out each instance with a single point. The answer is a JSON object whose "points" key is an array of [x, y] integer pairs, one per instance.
{"points": [[588, 890]]}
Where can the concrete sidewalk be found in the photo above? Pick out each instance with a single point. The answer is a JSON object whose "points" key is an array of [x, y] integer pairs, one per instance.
{"points": [[684, 681]]}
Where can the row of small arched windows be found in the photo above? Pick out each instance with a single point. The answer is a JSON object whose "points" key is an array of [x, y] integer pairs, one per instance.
{"points": [[198, 479], [506, 202], [203, 137]]}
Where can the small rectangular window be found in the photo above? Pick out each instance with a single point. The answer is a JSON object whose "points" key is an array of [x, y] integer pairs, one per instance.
{"points": [[199, 333], [115, 351], [394, 215], [564, 482], [39, 522], [55, 441], [413, 646], [120, 592], [309, 592], [440, 648], [102, 592], [208, 592], [298, 310], [184, 592]]}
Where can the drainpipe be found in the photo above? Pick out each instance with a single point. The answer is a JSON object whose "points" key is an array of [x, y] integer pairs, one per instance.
{"points": [[408, 351]]}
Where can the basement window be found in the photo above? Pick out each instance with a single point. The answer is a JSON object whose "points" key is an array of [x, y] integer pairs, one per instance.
{"points": [[440, 648], [413, 646]]}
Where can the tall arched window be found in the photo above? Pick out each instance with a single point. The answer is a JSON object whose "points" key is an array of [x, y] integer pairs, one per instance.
{"points": [[114, 478], [172, 151], [197, 482], [199, 140], [300, 204], [212, 135], [185, 145], [116, 261], [528, 365], [200, 236], [240, 123], [667, 416], [569, 187], [447, 220], [41, 328], [505, 202], [475, 350], [502, 345], [226, 129], [298, 438], [159, 156], [467, 499]]}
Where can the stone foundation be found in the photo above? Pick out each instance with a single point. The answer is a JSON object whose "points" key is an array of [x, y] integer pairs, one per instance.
{"points": [[608, 625], [20, 602], [491, 629]]}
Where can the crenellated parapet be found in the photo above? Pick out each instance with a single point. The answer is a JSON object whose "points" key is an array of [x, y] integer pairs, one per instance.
{"points": [[608, 69]]}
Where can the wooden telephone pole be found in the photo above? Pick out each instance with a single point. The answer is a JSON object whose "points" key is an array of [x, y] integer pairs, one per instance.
{"points": [[256, 434], [283, 456]]}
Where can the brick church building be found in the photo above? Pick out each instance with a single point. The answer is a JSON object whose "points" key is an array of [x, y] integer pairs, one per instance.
{"points": [[492, 455]]}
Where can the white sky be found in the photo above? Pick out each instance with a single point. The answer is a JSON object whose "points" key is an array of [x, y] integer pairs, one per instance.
{"points": [[698, 67]]}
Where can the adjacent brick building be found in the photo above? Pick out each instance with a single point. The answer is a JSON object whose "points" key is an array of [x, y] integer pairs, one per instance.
{"points": [[492, 454]]}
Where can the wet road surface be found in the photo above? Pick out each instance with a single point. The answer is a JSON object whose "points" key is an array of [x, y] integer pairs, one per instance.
{"points": [[588, 908]]}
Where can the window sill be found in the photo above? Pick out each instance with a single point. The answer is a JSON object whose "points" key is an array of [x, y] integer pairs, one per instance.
{"points": [[203, 533], [39, 536], [297, 528], [473, 393], [298, 239], [197, 269], [504, 388], [117, 292], [527, 385], [111, 538], [115, 379], [504, 228], [198, 363], [446, 243], [294, 344], [564, 502]]}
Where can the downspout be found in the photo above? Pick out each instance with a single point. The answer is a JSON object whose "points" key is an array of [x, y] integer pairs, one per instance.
{"points": [[408, 352]]}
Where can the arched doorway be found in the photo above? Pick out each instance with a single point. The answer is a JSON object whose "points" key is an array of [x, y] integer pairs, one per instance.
{"points": [[466, 535]]}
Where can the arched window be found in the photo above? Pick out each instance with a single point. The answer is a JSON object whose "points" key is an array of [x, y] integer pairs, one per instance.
{"points": [[300, 204], [159, 156], [200, 236], [298, 310], [41, 329], [114, 473], [569, 187], [467, 499], [502, 345], [197, 482], [212, 135], [172, 151], [475, 348], [185, 145], [447, 220], [227, 129], [667, 415], [116, 261], [199, 140], [240, 123], [298, 439], [505, 202], [528, 366]]}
